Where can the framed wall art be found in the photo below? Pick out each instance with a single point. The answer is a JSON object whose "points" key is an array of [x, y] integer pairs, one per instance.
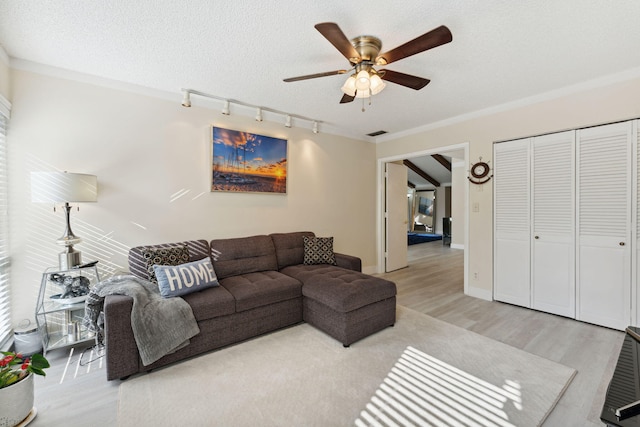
{"points": [[244, 162]]}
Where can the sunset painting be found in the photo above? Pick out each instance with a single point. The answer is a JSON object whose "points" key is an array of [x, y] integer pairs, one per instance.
{"points": [[246, 162]]}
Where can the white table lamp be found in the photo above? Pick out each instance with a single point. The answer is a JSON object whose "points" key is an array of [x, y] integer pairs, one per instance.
{"points": [[64, 187]]}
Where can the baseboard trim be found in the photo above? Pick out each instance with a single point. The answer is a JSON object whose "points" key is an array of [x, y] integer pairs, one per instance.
{"points": [[457, 246], [480, 293]]}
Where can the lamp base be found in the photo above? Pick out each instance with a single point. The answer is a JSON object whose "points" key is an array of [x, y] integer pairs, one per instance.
{"points": [[69, 258]]}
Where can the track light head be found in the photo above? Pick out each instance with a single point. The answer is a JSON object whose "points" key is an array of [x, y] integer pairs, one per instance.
{"points": [[259, 115], [287, 122], [315, 127], [186, 99], [225, 109]]}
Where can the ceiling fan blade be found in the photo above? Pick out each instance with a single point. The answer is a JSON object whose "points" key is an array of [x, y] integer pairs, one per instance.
{"points": [[347, 98], [336, 37], [313, 76], [403, 79], [433, 38]]}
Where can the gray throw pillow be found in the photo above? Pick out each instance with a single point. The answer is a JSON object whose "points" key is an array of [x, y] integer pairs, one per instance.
{"points": [[318, 250], [176, 280], [173, 255]]}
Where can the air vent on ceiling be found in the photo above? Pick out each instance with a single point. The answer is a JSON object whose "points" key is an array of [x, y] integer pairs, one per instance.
{"points": [[377, 133]]}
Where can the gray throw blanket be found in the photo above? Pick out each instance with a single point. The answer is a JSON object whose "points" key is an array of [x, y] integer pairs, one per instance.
{"points": [[160, 325]]}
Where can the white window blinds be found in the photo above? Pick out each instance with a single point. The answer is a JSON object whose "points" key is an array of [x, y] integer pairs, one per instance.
{"points": [[5, 301]]}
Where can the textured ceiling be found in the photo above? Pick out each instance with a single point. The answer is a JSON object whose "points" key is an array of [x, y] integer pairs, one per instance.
{"points": [[502, 50]]}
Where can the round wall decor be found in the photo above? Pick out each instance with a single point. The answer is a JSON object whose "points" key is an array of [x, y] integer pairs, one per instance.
{"points": [[480, 172]]}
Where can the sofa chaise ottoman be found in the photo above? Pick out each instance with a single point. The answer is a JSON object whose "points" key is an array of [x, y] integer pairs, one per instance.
{"points": [[343, 302]]}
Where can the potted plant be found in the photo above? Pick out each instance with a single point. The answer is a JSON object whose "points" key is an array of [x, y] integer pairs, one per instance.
{"points": [[16, 386]]}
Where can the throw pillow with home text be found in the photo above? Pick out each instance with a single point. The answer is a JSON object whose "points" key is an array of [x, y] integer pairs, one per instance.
{"points": [[183, 279]]}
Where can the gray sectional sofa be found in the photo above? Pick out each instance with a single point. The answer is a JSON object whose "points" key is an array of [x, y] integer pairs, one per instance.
{"points": [[264, 286]]}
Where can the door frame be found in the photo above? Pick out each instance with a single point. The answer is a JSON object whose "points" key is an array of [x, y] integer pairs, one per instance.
{"points": [[381, 199]]}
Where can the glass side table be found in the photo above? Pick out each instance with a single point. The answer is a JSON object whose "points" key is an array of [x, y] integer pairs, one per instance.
{"points": [[60, 306]]}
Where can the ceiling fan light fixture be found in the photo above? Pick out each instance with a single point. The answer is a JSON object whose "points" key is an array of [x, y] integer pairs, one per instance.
{"points": [[363, 93], [349, 86], [363, 81], [377, 84]]}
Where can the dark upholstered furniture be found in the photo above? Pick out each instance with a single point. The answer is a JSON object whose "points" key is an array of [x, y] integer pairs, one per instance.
{"points": [[347, 305], [264, 286]]}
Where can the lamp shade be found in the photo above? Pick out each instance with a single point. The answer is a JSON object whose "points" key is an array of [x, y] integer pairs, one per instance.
{"points": [[363, 81], [376, 84], [63, 187], [349, 86]]}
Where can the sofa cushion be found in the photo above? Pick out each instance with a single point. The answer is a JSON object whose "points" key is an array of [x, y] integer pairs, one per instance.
{"points": [[289, 247], [318, 250], [176, 280], [232, 257], [198, 249], [210, 303], [261, 288], [175, 255], [340, 289]]}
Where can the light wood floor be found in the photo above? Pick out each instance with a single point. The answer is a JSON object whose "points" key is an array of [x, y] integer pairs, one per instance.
{"points": [[433, 284], [74, 395]]}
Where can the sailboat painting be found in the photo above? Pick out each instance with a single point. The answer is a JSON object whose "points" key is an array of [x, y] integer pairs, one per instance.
{"points": [[244, 162]]}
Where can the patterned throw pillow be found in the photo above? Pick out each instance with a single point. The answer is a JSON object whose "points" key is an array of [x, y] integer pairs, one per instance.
{"points": [[174, 255], [183, 279], [318, 250]]}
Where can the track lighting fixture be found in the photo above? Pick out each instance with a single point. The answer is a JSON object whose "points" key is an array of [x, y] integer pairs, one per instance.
{"points": [[186, 100], [288, 117]]}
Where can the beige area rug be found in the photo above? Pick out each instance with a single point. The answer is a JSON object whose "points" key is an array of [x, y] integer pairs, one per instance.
{"points": [[420, 372]]}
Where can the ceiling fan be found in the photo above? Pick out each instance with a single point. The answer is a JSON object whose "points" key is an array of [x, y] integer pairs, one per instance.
{"points": [[363, 53]]}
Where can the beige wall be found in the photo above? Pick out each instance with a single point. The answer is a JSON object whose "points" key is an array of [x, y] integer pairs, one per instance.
{"points": [[606, 103], [146, 151]]}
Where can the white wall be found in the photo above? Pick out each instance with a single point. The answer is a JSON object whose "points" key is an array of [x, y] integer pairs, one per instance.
{"points": [[587, 104], [145, 150]]}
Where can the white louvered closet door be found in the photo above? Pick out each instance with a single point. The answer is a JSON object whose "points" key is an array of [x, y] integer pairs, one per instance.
{"points": [[511, 209], [604, 225], [553, 224]]}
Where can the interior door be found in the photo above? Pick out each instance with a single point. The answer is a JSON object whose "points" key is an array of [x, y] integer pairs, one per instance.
{"points": [[396, 217], [512, 252], [604, 225], [553, 222]]}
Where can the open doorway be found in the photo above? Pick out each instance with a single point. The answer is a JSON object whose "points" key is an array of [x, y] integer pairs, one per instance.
{"points": [[448, 218]]}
